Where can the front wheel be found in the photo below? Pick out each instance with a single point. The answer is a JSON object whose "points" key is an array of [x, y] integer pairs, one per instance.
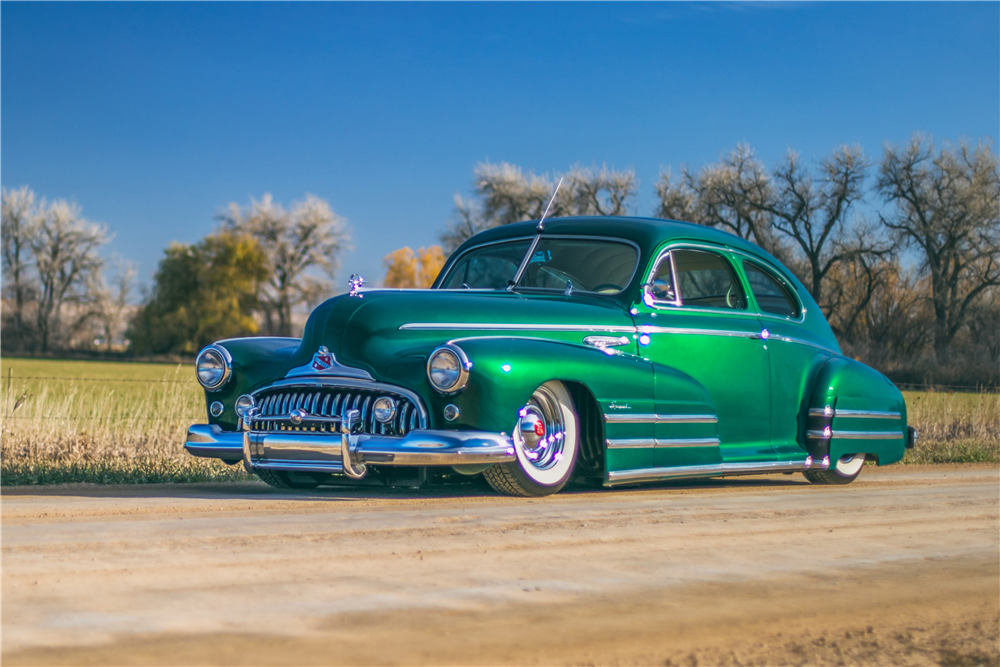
{"points": [[546, 442], [846, 471]]}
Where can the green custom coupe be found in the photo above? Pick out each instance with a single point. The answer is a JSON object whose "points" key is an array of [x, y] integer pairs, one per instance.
{"points": [[586, 350]]}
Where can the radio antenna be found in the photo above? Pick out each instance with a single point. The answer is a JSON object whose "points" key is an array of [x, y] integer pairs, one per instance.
{"points": [[541, 223], [534, 242]]}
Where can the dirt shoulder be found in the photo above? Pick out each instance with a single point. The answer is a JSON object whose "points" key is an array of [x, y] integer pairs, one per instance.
{"points": [[899, 568]]}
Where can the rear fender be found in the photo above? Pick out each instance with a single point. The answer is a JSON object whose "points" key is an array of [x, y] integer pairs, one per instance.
{"points": [[843, 384]]}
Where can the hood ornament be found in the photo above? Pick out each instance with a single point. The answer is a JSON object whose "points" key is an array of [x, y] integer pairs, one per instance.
{"points": [[354, 283]]}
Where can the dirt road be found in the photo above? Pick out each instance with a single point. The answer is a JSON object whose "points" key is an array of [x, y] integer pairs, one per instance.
{"points": [[899, 568]]}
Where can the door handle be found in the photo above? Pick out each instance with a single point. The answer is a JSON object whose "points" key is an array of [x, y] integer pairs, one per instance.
{"points": [[763, 335]]}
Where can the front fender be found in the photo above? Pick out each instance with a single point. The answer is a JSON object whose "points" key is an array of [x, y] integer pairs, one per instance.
{"points": [[256, 362], [506, 370]]}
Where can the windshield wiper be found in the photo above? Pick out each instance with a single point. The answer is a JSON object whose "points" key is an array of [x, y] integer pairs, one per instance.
{"points": [[534, 242]]}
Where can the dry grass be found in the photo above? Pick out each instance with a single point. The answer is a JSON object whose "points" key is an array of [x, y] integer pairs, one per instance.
{"points": [[92, 426], [102, 430], [954, 427]]}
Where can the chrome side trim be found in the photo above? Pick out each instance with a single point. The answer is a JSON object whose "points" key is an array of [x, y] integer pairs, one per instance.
{"points": [[802, 341], [854, 435], [660, 419], [645, 328], [487, 326], [712, 470], [856, 414], [647, 443]]}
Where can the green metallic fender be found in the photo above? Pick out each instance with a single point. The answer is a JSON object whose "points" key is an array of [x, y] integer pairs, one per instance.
{"points": [[846, 384], [256, 362], [507, 370]]}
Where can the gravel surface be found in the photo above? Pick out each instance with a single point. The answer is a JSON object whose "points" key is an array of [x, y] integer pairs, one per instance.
{"points": [[901, 567]]}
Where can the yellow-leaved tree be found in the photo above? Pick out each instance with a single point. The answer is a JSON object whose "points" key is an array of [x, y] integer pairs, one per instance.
{"points": [[403, 268]]}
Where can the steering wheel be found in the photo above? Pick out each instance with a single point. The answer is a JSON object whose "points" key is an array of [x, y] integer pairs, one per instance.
{"points": [[729, 294], [610, 287]]}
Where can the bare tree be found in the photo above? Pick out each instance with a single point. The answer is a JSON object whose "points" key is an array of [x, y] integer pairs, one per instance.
{"points": [[505, 194], [65, 252], [110, 299], [814, 214], [733, 194], [20, 219], [946, 204], [303, 248]]}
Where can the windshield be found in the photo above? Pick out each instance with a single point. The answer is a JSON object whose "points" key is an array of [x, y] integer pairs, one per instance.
{"points": [[603, 266]]}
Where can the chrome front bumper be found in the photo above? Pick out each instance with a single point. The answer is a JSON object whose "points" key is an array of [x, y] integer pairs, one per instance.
{"points": [[347, 453]]}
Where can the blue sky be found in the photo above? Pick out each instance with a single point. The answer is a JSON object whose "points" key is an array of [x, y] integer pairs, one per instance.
{"points": [[152, 116]]}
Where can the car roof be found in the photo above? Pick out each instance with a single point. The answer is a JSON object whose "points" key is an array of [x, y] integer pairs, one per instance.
{"points": [[647, 233]]}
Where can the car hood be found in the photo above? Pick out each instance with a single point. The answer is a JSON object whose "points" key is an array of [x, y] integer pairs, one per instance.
{"points": [[375, 330]]}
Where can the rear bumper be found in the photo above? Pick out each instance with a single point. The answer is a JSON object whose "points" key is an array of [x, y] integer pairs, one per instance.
{"points": [[326, 453]]}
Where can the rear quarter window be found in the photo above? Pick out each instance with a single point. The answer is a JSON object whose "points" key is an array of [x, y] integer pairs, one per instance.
{"points": [[772, 295]]}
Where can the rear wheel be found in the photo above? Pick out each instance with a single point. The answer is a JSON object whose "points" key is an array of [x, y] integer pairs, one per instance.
{"points": [[846, 471], [287, 480], [546, 442]]}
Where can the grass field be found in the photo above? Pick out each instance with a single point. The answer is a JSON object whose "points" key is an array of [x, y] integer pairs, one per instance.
{"points": [[103, 422], [109, 422]]}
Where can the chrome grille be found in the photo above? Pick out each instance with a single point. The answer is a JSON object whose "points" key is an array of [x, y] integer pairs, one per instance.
{"points": [[274, 404]]}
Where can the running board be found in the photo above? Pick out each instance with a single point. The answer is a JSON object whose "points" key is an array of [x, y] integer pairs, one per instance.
{"points": [[714, 470]]}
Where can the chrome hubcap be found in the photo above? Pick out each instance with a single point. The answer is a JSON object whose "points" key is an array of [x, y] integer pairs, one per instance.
{"points": [[542, 431]]}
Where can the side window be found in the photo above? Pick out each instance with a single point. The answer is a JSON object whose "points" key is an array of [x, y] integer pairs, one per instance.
{"points": [[771, 295], [706, 279]]}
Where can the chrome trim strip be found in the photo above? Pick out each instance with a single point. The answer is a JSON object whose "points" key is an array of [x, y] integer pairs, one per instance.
{"points": [[659, 419], [856, 414], [711, 470], [646, 443], [854, 435], [802, 341], [637, 443], [646, 328], [487, 326]]}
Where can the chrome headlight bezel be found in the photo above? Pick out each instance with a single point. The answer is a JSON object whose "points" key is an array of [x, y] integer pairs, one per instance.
{"points": [[227, 366], [463, 368]]}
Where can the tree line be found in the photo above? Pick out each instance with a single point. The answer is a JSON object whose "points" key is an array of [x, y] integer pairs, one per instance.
{"points": [[902, 253], [245, 278]]}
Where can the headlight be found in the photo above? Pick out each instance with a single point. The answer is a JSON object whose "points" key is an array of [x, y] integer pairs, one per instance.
{"points": [[384, 409], [244, 403], [214, 366], [448, 369]]}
